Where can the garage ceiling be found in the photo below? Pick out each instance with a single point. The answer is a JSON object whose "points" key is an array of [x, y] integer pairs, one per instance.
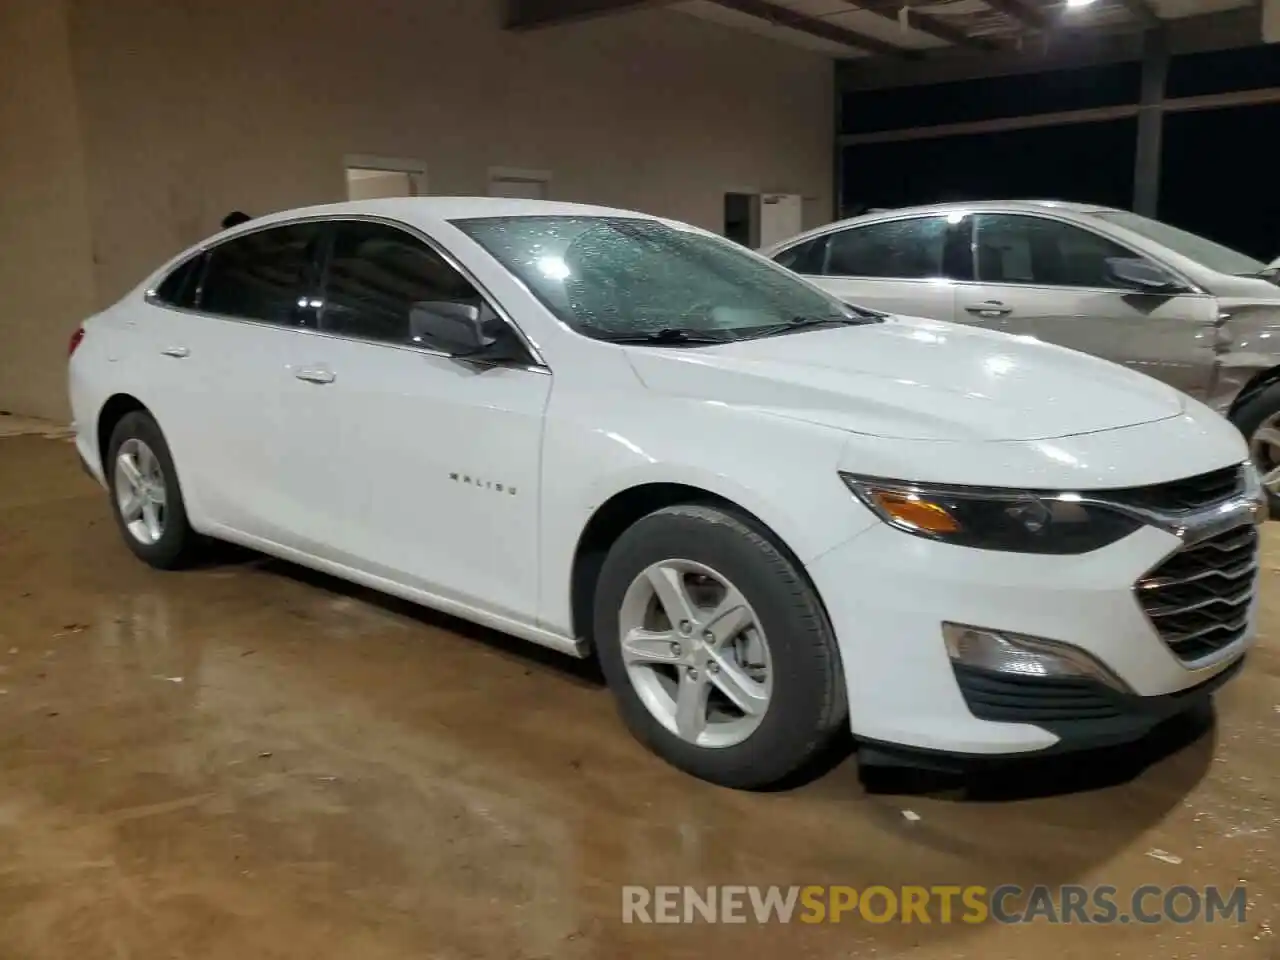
{"points": [[842, 28], [895, 29]]}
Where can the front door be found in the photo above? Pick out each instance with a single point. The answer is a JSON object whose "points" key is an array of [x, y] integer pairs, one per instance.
{"points": [[405, 463], [1049, 279]]}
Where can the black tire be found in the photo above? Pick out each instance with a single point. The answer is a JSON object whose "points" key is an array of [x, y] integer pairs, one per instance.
{"points": [[807, 706], [179, 546], [1248, 418]]}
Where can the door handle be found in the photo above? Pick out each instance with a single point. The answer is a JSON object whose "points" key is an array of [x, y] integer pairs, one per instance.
{"points": [[315, 375], [178, 353], [989, 308]]}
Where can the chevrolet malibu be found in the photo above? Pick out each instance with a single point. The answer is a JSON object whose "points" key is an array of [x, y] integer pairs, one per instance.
{"points": [[770, 515]]}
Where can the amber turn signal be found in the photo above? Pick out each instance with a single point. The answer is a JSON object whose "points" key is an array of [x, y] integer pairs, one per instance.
{"points": [[912, 511]]}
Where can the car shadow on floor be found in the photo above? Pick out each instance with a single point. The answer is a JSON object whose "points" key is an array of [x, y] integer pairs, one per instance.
{"points": [[1190, 737]]}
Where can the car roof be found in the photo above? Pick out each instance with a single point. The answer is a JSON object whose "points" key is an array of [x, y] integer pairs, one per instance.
{"points": [[1029, 206], [967, 206], [427, 211]]}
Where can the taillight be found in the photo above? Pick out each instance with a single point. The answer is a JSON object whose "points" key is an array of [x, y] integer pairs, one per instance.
{"points": [[75, 340]]}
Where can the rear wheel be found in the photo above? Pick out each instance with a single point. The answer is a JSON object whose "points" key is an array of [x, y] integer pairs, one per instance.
{"points": [[716, 647], [145, 497]]}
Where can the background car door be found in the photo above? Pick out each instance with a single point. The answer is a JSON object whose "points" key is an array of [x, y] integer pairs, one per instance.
{"points": [[898, 266], [221, 336], [404, 462], [1050, 279]]}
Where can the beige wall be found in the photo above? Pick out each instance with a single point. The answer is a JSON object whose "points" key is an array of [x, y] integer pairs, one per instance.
{"points": [[189, 110], [46, 274]]}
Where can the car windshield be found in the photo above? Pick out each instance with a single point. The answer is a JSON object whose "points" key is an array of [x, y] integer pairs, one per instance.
{"points": [[619, 278], [1192, 246]]}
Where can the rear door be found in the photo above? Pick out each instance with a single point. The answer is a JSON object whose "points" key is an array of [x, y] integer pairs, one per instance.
{"points": [[1049, 279], [217, 355], [906, 265]]}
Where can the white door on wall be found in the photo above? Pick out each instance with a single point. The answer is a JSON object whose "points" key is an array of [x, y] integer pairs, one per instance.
{"points": [[781, 217], [371, 177]]}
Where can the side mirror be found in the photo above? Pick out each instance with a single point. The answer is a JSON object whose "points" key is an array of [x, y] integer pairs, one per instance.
{"points": [[456, 328], [1143, 275]]}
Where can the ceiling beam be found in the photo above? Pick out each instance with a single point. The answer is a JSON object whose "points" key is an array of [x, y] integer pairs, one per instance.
{"points": [[534, 14], [1144, 12], [928, 23], [816, 27], [1021, 10]]}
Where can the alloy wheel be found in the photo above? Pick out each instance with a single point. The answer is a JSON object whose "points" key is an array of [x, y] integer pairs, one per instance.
{"points": [[695, 653], [1264, 447], [140, 491]]}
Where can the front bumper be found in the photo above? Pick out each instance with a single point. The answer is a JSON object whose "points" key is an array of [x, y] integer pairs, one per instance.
{"points": [[1082, 713], [888, 594]]}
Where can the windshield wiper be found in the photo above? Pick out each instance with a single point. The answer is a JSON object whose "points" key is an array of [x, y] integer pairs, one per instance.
{"points": [[675, 335], [806, 323]]}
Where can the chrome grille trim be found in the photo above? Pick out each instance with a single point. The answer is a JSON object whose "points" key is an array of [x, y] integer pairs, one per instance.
{"points": [[1199, 598]]}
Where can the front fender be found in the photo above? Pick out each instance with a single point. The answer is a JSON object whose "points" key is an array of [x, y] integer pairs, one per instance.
{"points": [[1251, 355], [781, 471]]}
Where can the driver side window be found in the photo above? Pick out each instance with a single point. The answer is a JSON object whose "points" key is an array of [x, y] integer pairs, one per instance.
{"points": [[1023, 249], [377, 275]]}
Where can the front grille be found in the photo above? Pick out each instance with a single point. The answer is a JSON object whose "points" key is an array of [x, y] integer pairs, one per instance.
{"points": [[1179, 496], [1198, 599]]}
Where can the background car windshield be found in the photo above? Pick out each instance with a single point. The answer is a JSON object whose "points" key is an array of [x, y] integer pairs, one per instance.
{"points": [[1200, 249], [611, 277]]}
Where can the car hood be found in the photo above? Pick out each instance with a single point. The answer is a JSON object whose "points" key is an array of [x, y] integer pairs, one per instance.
{"points": [[913, 379]]}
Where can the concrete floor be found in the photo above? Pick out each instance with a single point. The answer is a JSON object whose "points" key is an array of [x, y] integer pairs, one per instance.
{"points": [[250, 760]]}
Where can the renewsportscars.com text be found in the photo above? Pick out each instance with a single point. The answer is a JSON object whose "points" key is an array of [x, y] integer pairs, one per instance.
{"points": [[1006, 904]]}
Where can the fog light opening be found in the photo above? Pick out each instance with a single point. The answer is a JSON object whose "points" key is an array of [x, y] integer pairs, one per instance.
{"points": [[1018, 655]]}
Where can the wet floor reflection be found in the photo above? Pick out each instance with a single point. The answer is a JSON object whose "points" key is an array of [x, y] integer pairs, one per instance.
{"points": [[250, 759]]}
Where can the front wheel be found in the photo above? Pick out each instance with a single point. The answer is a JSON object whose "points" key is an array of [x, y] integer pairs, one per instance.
{"points": [[1259, 420], [716, 647]]}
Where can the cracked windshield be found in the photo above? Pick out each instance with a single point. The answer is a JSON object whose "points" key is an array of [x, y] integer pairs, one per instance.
{"points": [[626, 280]]}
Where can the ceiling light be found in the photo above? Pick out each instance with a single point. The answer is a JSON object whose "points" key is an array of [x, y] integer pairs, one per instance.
{"points": [[1079, 3]]}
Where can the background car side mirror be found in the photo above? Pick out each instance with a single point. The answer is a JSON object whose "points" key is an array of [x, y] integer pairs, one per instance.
{"points": [[1143, 275], [459, 329]]}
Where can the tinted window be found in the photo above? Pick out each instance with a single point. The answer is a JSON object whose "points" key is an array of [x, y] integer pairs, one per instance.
{"points": [[1022, 249], [179, 288], [905, 249], [805, 257], [377, 274], [261, 275]]}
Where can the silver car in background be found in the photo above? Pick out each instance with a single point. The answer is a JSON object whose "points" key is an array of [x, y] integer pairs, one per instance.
{"points": [[1191, 312]]}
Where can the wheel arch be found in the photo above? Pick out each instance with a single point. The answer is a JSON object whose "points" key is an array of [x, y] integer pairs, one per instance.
{"points": [[617, 513], [116, 408], [1258, 382]]}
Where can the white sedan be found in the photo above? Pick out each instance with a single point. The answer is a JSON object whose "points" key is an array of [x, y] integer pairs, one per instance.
{"points": [[770, 515]]}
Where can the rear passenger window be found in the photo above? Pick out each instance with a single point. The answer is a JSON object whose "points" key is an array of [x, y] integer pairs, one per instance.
{"points": [[377, 274], [179, 288], [899, 249], [261, 275]]}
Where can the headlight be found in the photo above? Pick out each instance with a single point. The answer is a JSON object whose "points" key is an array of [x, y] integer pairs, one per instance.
{"points": [[989, 519]]}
